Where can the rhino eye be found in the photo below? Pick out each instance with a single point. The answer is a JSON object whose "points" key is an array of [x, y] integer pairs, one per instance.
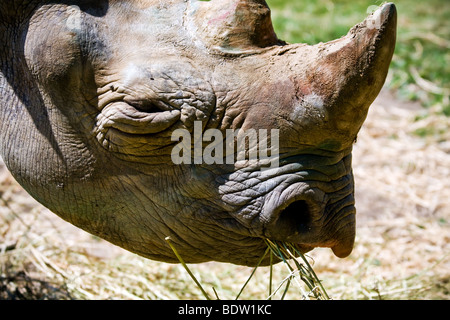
{"points": [[145, 106]]}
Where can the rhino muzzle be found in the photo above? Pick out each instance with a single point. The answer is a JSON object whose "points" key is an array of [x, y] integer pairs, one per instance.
{"points": [[309, 216], [336, 90], [313, 218], [309, 201]]}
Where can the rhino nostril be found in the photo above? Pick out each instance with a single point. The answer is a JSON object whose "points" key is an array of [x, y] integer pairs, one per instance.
{"points": [[295, 218]]}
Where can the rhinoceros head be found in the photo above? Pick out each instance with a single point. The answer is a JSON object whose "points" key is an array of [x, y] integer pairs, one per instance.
{"points": [[141, 120]]}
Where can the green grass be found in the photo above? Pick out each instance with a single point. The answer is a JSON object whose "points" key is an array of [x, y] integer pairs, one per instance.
{"points": [[420, 69]]}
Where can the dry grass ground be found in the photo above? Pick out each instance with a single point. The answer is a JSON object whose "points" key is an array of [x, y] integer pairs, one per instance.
{"points": [[402, 248]]}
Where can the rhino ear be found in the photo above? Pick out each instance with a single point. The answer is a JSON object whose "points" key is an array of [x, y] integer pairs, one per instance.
{"points": [[233, 25]]}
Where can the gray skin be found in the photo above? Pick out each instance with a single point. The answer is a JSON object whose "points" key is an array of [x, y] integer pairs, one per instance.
{"points": [[91, 92]]}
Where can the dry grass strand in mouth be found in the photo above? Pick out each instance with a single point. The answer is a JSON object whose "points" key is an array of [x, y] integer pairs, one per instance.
{"points": [[289, 255]]}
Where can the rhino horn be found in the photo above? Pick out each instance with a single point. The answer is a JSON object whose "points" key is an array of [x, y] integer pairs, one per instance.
{"points": [[233, 25], [363, 65], [348, 74]]}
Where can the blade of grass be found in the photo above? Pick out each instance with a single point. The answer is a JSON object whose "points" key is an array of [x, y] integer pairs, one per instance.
{"points": [[287, 251], [287, 288], [311, 270], [270, 274], [253, 272], [215, 292], [288, 278], [187, 269], [300, 271], [305, 274], [277, 250]]}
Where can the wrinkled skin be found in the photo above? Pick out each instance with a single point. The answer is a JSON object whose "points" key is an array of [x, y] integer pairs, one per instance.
{"points": [[91, 94]]}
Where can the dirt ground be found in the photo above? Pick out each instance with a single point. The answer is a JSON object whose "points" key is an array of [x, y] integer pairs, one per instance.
{"points": [[402, 248]]}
